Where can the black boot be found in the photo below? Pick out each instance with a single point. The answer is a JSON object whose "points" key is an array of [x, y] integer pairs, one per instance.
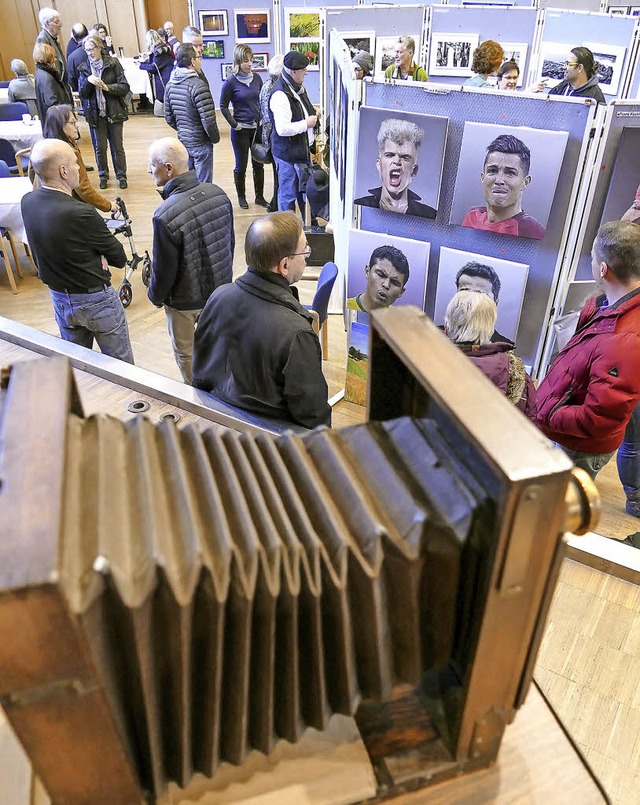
{"points": [[238, 179], [258, 184]]}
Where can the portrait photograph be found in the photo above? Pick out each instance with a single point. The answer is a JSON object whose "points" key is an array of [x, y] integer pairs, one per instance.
{"points": [[214, 23], [517, 52], [610, 59], [355, 388], [624, 187], [260, 62], [399, 161], [301, 23], [385, 53], [495, 277], [452, 54], [213, 48], [310, 49], [226, 70], [384, 270], [360, 40], [507, 178], [551, 63], [253, 25]]}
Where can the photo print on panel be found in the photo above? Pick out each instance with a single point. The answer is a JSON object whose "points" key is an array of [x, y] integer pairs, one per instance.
{"points": [[399, 161], [452, 54], [507, 179], [384, 270], [503, 280], [623, 196], [610, 59]]}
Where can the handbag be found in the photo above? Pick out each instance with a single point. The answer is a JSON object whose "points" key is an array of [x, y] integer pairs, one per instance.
{"points": [[158, 106], [260, 152]]}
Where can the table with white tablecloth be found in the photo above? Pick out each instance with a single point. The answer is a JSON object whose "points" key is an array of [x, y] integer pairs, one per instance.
{"points": [[11, 193], [137, 79], [4, 94], [19, 134]]}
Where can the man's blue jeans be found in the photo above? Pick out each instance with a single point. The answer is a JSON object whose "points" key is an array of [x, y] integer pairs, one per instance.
{"points": [[288, 184], [201, 160], [628, 460], [82, 317]]}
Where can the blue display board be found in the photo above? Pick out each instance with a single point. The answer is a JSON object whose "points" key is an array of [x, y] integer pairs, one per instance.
{"points": [[509, 25], [541, 256]]}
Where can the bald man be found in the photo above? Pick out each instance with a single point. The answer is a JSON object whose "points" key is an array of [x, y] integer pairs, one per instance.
{"points": [[72, 249], [193, 244]]}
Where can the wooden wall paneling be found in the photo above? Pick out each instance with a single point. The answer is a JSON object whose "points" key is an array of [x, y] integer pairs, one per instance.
{"points": [[159, 11], [18, 31]]}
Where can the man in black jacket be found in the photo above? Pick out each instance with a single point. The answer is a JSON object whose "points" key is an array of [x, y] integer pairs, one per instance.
{"points": [[193, 245], [255, 346], [51, 23], [72, 249], [189, 108]]}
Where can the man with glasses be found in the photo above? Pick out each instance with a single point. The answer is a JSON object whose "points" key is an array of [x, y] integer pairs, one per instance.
{"points": [[189, 108], [255, 347], [51, 26], [580, 77]]}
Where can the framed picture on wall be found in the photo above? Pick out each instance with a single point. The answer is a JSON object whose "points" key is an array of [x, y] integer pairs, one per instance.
{"points": [[226, 69], [310, 49], [610, 59], [301, 23], [360, 40], [452, 54], [260, 62], [214, 23], [213, 48], [517, 52], [253, 25], [618, 11]]}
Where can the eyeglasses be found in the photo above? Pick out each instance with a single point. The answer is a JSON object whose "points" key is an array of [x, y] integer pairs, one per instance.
{"points": [[571, 63], [91, 49], [72, 123], [306, 252]]}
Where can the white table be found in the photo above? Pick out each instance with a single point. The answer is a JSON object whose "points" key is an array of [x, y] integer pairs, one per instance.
{"points": [[4, 94], [137, 79], [19, 134], [11, 193]]}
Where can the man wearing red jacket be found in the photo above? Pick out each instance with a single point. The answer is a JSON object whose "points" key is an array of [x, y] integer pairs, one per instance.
{"points": [[593, 386]]}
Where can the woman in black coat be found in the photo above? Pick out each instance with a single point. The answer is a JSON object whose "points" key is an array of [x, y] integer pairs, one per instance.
{"points": [[158, 62], [103, 88], [50, 90]]}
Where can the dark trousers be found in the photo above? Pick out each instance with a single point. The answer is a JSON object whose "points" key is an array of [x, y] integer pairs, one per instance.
{"points": [[241, 142], [104, 132]]}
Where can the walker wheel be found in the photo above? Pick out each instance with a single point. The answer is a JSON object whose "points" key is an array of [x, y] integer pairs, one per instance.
{"points": [[146, 270], [125, 294]]}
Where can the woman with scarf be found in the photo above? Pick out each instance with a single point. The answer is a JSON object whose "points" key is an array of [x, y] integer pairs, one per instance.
{"points": [[103, 88], [49, 87], [241, 91]]}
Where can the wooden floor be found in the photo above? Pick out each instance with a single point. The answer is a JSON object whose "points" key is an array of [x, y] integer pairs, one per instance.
{"points": [[589, 664]]}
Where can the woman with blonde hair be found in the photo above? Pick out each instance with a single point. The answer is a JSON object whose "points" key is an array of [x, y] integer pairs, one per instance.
{"points": [[158, 62], [49, 87], [241, 91], [487, 58], [470, 322]]}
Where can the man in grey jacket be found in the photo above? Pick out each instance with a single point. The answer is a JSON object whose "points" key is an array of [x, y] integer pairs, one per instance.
{"points": [[193, 244], [51, 26], [189, 108]]}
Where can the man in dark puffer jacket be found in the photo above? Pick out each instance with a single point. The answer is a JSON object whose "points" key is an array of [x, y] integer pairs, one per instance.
{"points": [[189, 108], [193, 244]]}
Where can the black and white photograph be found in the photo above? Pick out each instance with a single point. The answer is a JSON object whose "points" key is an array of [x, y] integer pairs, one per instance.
{"points": [[253, 25], [399, 161], [618, 11], [503, 280], [610, 59], [507, 178], [214, 23], [517, 52], [553, 56], [360, 40], [226, 70], [385, 270], [452, 54], [260, 62], [385, 54]]}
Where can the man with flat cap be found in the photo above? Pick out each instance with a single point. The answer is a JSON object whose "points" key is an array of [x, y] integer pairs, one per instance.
{"points": [[294, 119]]}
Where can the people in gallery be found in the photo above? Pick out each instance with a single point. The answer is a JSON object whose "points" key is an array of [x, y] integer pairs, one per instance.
{"points": [[484, 279], [50, 89], [240, 107], [255, 346], [580, 77], [23, 86], [505, 175], [487, 58], [51, 23], [72, 249], [508, 75], [158, 62], [399, 142], [362, 62], [387, 274], [404, 67], [593, 386], [193, 245], [470, 322]]}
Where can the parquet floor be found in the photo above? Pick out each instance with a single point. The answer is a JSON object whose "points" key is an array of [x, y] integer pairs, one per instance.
{"points": [[589, 663]]}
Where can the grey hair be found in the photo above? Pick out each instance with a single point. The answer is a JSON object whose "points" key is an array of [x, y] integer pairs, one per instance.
{"points": [[191, 30], [45, 14], [19, 67], [409, 42], [275, 65], [470, 318], [400, 132]]}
